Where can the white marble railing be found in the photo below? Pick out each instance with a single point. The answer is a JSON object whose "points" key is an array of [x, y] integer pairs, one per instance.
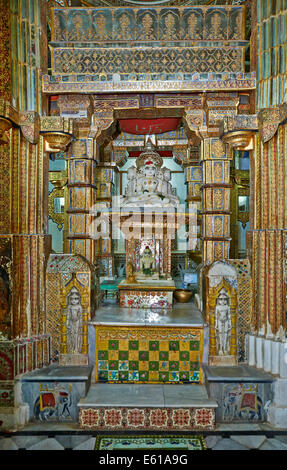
{"points": [[267, 354]]}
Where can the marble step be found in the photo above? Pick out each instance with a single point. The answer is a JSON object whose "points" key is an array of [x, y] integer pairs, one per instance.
{"points": [[147, 407], [147, 395]]}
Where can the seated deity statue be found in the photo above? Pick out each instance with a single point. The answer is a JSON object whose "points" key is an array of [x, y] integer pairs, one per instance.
{"points": [[74, 322], [149, 184], [223, 323], [147, 262]]}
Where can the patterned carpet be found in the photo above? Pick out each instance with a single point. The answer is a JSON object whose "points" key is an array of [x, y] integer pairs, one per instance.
{"points": [[152, 442]]}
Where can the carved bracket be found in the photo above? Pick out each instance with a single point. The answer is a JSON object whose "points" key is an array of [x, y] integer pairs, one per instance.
{"points": [[269, 120], [238, 131], [28, 121], [57, 132]]}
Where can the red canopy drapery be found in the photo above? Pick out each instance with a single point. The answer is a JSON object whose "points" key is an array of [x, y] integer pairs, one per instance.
{"points": [[149, 126], [162, 153]]}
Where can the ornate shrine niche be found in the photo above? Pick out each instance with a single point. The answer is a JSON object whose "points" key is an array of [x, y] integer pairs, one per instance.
{"points": [[63, 273], [75, 303], [221, 306]]}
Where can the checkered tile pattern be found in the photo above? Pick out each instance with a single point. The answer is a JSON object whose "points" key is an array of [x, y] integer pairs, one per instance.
{"points": [[148, 360]]}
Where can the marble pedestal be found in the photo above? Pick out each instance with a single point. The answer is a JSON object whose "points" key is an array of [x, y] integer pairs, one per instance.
{"points": [[277, 412], [16, 413], [243, 393], [52, 393], [147, 294], [147, 346]]}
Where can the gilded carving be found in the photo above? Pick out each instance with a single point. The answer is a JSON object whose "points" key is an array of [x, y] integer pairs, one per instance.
{"points": [[80, 247], [57, 216], [218, 199], [213, 22], [101, 22], [134, 61], [78, 148], [218, 149], [124, 22], [218, 250], [79, 198], [218, 226], [79, 224], [147, 24], [218, 172], [151, 82], [80, 172], [216, 29], [193, 29], [170, 27]]}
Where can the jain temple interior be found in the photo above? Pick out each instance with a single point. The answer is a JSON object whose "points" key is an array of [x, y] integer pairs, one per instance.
{"points": [[143, 223]]}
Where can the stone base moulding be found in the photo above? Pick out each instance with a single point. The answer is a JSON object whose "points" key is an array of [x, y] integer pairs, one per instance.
{"points": [[222, 361], [147, 419], [74, 360]]}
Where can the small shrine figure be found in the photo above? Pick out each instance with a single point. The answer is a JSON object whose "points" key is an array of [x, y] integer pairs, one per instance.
{"points": [[74, 322], [223, 323], [147, 262], [130, 274]]}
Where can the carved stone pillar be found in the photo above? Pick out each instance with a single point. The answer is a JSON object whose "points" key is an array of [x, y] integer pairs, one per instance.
{"points": [[215, 158], [105, 182], [193, 180], [23, 228], [24, 248], [267, 238], [81, 197]]}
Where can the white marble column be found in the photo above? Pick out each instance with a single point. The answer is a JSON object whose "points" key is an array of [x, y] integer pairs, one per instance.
{"points": [[259, 352], [251, 350]]}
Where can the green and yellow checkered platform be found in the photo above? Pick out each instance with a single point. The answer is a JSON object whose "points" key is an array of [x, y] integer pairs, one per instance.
{"points": [[148, 354]]}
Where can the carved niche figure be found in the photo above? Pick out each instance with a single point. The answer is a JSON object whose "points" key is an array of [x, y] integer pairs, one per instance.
{"points": [[130, 274], [147, 262], [223, 323], [74, 322], [149, 184]]}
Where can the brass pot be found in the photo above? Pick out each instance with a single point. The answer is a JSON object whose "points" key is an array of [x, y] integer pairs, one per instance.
{"points": [[182, 295]]}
